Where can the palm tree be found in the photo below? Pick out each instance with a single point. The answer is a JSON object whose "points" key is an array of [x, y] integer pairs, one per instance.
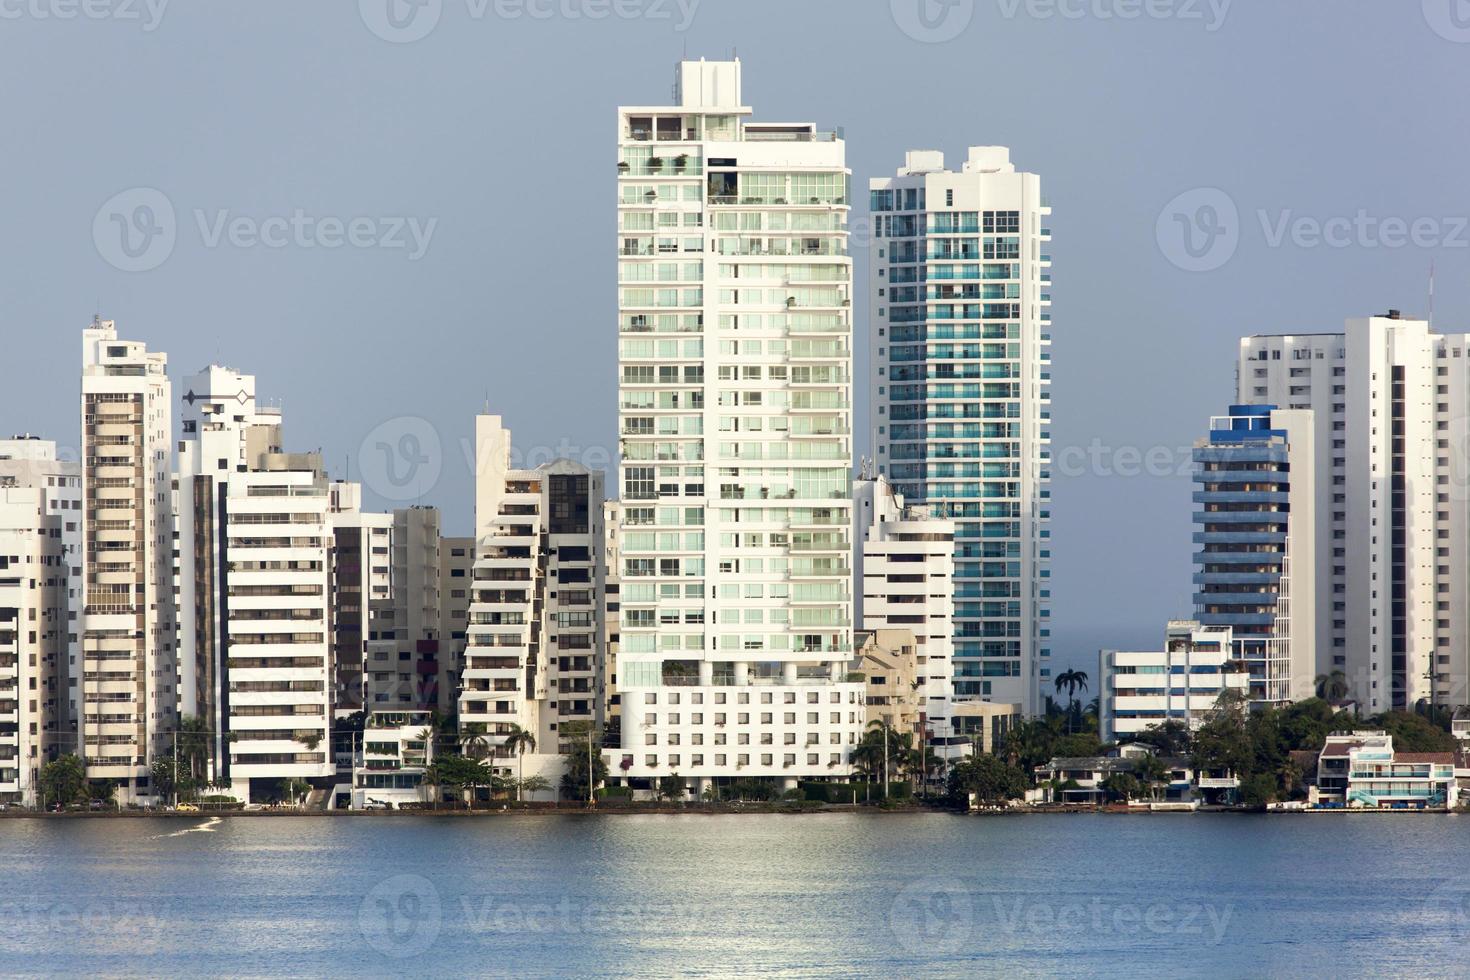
{"points": [[472, 741], [520, 741], [1071, 681], [1333, 686], [427, 736]]}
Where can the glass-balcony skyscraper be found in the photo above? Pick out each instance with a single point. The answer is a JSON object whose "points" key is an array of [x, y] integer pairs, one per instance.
{"points": [[959, 293]]}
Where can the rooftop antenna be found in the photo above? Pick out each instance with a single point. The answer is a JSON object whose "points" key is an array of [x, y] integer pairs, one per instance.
{"points": [[1431, 295]]}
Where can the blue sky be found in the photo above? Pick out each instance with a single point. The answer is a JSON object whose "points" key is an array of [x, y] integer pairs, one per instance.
{"points": [[392, 231]]}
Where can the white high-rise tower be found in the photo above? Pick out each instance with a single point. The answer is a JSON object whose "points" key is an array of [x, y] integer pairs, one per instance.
{"points": [[128, 670], [735, 326], [961, 418]]}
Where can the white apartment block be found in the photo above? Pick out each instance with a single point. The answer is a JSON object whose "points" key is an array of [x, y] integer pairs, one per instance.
{"points": [[1256, 564], [959, 290], [128, 665], [34, 621], [905, 573], [27, 461], [1182, 682], [1391, 399], [533, 654], [735, 415], [254, 588]]}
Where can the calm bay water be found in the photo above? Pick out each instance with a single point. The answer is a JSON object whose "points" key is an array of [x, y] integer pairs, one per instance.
{"points": [[827, 895]]}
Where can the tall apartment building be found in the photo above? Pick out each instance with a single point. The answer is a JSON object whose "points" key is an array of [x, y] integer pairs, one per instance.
{"points": [[959, 293], [612, 563], [533, 656], [362, 603], [735, 325], [34, 623], [1182, 682], [255, 548], [905, 562], [128, 659], [456, 570], [28, 461], [1255, 570], [1390, 398]]}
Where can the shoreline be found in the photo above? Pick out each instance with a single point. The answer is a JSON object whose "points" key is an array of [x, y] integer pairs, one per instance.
{"points": [[754, 809]]}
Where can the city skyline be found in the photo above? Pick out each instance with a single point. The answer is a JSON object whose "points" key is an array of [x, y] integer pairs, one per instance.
{"points": [[306, 300]]}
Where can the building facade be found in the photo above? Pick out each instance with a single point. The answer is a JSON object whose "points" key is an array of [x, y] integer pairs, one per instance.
{"points": [[960, 359], [1390, 398], [28, 461], [735, 416], [1182, 682], [533, 654], [127, 687], [1255, 567], [34, 625], [905, 581]]}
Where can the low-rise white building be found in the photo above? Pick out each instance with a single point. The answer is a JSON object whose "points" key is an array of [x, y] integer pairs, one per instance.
{"points": [[1362, 770], [1182, 682], [394, 752]]}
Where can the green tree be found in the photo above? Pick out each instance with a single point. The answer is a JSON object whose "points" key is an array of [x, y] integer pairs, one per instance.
{"points": [[1412, 732], [520, 741], [992, 780], [1120, 786], [671, 787], [1152, 773], [1171, 739], [575, 752], [1333, 686], [1222, 743], [64, 780], [532, 784]]}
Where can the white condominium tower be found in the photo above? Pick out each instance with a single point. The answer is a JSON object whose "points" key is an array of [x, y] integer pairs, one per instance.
{"points": [[128, 670], [959, 291], [28, 461], [254, 547], [735, 321], [533, 654], [1390, 399], [33, 638]]}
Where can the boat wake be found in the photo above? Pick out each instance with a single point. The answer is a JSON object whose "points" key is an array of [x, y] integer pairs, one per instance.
{"points": [[207, 827]]}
